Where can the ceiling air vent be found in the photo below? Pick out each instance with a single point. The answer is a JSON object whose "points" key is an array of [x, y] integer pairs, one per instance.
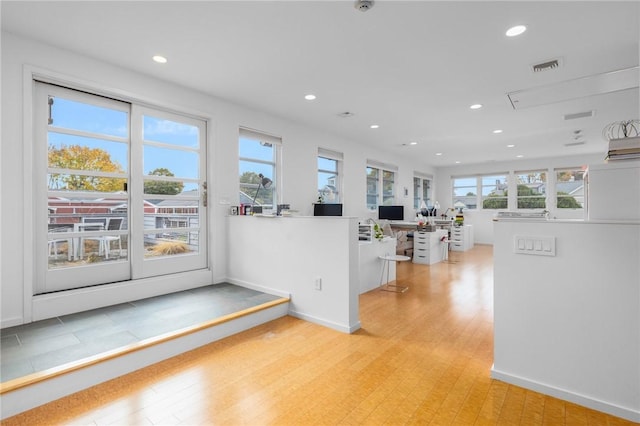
{"points": [[576, 115], [546, 66], [574, 143]]}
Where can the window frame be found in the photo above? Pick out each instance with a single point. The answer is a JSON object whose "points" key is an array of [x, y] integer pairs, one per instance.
{"points": [[338, 184], [135, 266], [580, 210], [419, 189], [545, 183], [382, 172], [454, 187], [480, 186], [274, 163]]}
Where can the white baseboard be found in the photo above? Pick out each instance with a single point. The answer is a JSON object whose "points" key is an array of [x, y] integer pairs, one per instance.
{"points": [[585, 401], [252, 286], [11, 322], [330, 324], [344, 328]]}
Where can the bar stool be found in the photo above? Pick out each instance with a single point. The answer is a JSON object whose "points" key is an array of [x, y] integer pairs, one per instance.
{"points": [[385, 286]]}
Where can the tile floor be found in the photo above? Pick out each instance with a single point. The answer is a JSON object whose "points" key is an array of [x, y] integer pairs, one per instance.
{"points": [[34, 347]]}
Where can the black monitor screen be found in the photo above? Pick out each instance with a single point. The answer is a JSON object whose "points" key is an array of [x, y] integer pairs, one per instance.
{"points": [[391, 212], [327, 209]]}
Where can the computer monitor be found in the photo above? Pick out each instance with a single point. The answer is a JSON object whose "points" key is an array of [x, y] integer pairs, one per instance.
{"points": [[391, 212], [327, 209]]}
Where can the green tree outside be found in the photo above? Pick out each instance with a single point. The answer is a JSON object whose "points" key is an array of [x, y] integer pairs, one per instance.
{"points": [[533, 200], [162, 187], [250, 183], [566, 201]]}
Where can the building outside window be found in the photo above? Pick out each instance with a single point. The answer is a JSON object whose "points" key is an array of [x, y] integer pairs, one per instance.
{"points": [[329, 176], [494, 191], [259, 155], [380, 184], [570, 188], [465, 193], [421, 190], [532, 189]]}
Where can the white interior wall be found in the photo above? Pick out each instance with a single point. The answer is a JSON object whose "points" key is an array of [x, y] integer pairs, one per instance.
{"points": [[286, 255], [300, 145], [569, 325], [482, 220]]}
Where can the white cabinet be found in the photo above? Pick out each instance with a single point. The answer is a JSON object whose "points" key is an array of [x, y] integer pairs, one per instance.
{"points": [[461, 238], [428, 247], [614, 191]]}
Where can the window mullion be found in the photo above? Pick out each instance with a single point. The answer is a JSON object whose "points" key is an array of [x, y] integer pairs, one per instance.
{"points": [[136, 193]]}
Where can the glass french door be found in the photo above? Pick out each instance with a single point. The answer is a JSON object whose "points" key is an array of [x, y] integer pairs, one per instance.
{"points": [[119, 190]]}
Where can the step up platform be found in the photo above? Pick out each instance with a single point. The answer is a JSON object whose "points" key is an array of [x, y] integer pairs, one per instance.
{"points": [[40, 387]]}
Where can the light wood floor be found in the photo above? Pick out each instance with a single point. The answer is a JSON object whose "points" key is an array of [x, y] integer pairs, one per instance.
{"points": [[422, 357]]}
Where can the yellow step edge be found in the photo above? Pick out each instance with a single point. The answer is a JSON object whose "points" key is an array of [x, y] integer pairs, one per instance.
{"points": [[69, 367]]}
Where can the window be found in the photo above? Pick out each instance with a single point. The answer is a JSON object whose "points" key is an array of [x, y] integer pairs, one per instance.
{"points": [[570, 188], [329, 176], [120, 195], [380, 185], [532, 189], [421, 190], [494, 191], [259, 155], [465, 190]]}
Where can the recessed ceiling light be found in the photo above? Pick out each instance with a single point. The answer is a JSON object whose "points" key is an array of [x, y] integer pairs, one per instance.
{"points": [[374, 126], [516, 31], [413, 143], [510, 146], [476, 106], [438, 153], [160, 59], [497, 131], [457, 162], [309, 97], [519, 156]]}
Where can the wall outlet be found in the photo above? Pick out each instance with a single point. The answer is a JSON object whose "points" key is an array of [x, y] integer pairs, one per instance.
{"points": [[318, 284]]}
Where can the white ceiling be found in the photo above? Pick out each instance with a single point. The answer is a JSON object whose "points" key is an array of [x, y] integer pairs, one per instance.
{"points": [[413, 68]]}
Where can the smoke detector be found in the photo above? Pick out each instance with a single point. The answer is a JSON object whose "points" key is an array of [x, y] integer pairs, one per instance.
{"points": [[363, 5], [346, 114]]}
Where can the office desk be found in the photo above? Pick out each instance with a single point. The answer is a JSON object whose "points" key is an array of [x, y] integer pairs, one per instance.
{"points": [[405, 224]]}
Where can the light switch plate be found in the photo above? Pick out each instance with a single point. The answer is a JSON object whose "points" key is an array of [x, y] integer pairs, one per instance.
{"points": [[538, 245]]}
